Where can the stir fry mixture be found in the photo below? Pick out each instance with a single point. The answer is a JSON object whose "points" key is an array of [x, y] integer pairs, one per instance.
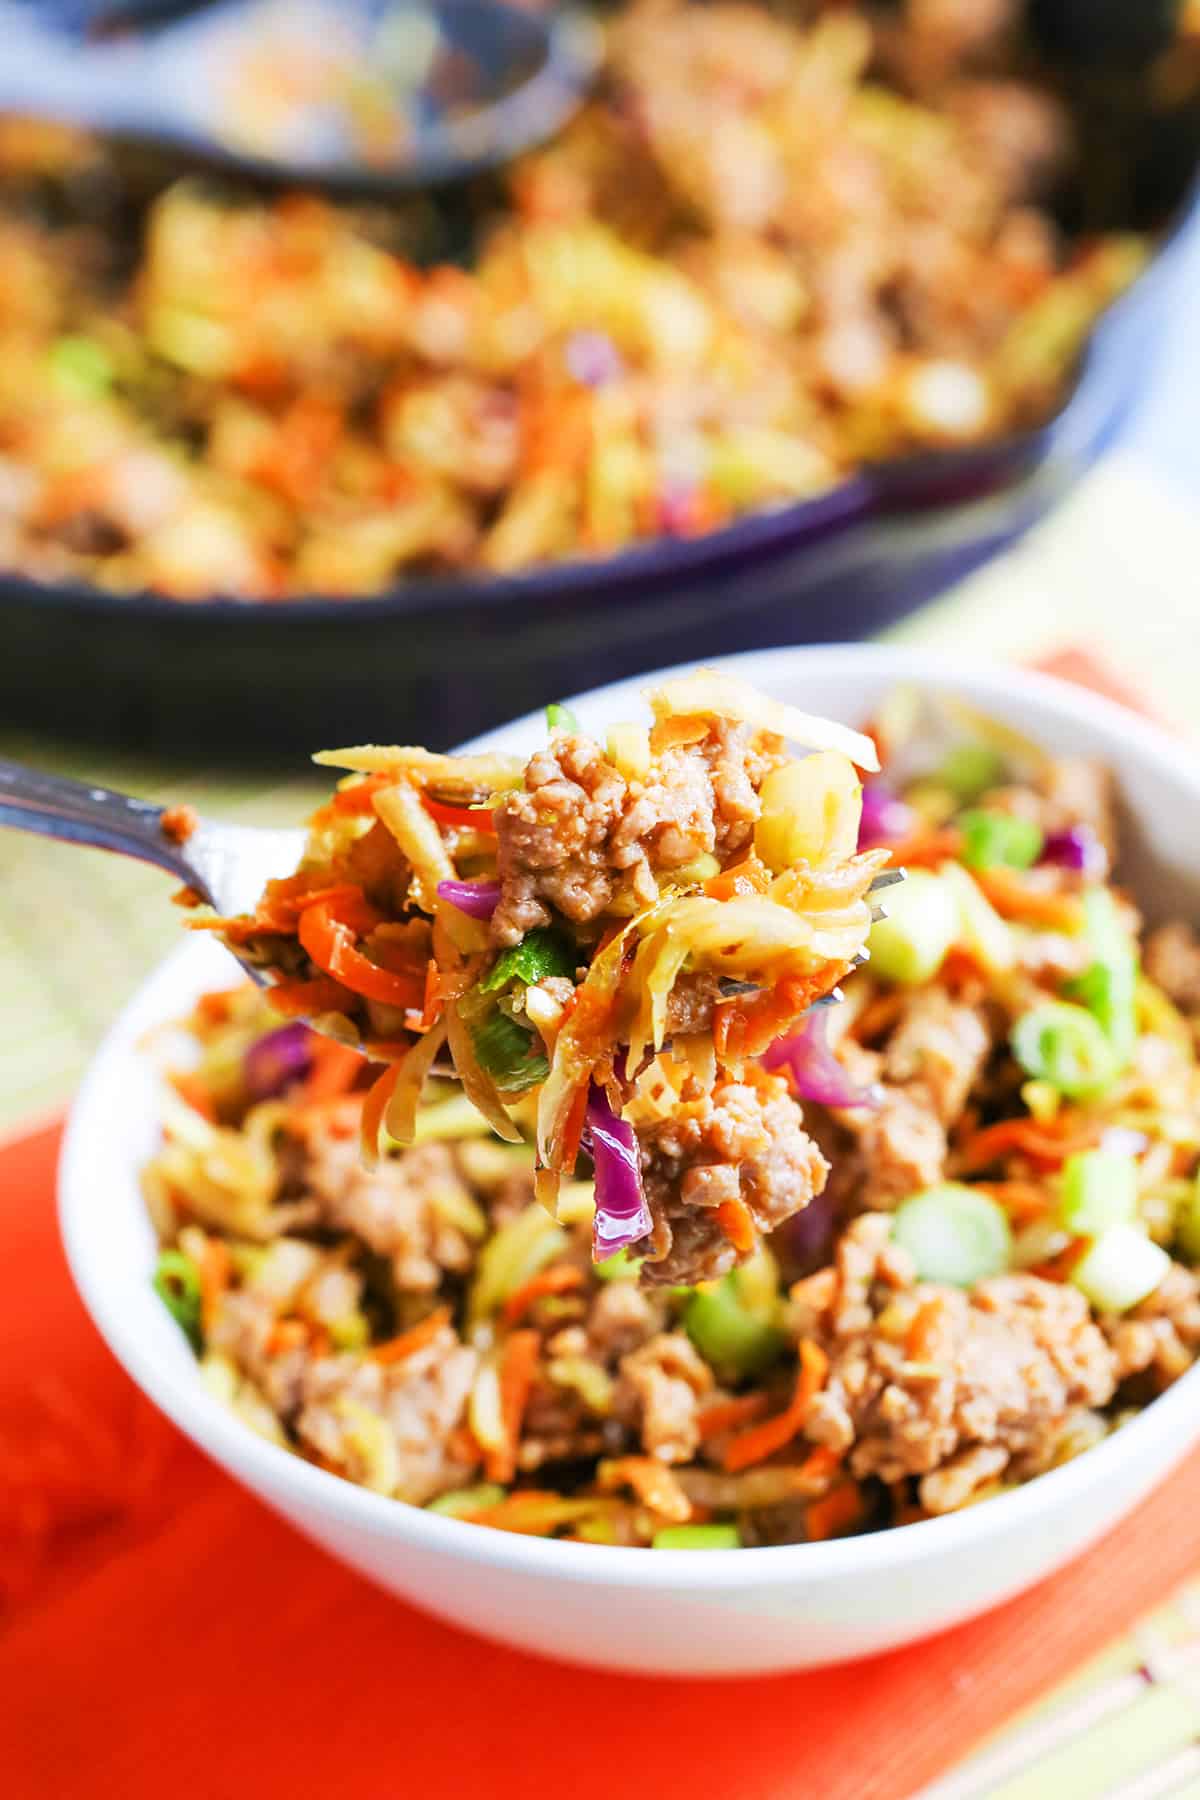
{"points": [[616, 931], [767, 252], [997, 1273]]}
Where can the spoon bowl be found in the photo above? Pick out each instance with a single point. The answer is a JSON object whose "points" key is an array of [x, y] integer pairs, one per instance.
{"points": [[379, 95]]}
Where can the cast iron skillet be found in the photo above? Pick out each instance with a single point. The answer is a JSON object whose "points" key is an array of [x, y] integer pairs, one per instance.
{"points": [[435, 660]]}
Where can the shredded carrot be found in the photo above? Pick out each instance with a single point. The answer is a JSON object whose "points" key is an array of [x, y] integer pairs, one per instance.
{"points": [[923, 1332], [216, 1007], [1047, 1145], [744, 878], [306, 999], [737, 1222], [415, 1338], [464, 1446], [190, 1087], [761, 1441], [335, 1068], [328, 930], [559, 1278], [1014, 898], [467, 818], [678, 729], [820, 1466], [727, 1415], [926, 849], [1021, 1200], [215, 1270], [758, 1022], [654, 1484], [838, 1510], [517, 1368], [359, 800], [286, 1334], [1062, 1266]]}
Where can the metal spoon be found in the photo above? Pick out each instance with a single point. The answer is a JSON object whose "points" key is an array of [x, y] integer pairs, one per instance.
{"points": [[454, 86]]}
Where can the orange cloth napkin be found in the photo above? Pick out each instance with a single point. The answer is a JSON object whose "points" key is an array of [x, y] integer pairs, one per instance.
{"points": [[167, 1638]]}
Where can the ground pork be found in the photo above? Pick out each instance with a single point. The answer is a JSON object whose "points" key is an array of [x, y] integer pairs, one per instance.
{"points": [[571, 1412], [1162, 1335], [691, 1001], [922, 1375], [385, 1425], [658, 1395], [941, 1046], [891, 1150], [738, 1143], [410, 1209], [1171, 958], [579, 830]]}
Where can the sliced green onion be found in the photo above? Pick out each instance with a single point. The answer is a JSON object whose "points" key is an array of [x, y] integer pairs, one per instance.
{"points": [[177, 1284], [620, 1266], [1099, 1190], [910, 945], [461, 1501], [985, 934], [735, 1340], [1064, 1045], [561, 718], [512, 1056], [954, 1234], [540, 953], [970, 769], [1187, 1223], [81, 364], [1108, 987], [999, 840], [1120, 1269], [697, 1537]]}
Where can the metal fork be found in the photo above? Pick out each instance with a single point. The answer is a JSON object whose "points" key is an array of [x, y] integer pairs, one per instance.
{"points": [[227, 865]]}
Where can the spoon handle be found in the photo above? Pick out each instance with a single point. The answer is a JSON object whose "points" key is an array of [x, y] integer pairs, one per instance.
{"points": [[77, 813]]}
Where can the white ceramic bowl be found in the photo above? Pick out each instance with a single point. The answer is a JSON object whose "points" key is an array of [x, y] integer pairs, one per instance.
{"points": [[686, 1612]]}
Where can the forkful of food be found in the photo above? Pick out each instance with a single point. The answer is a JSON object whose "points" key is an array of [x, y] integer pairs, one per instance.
{"points": [[617, 943]]}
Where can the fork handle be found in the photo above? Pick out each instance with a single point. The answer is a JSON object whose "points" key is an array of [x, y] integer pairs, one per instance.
{"points": [[77, 813]]}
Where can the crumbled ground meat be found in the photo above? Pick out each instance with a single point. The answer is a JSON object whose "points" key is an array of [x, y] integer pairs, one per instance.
{"points": [[940, 1046], [691, 1001], [572, 1412], [386, 1425], [922, 1375], [893, 1149], [738, 1143], [409, 1209], [580, 830], [1162, 1335], [659, 1392], [1022, 137], [1171, 958]]}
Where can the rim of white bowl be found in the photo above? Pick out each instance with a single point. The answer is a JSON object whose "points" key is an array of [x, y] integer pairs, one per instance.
{"points": [[1172, 1416]]}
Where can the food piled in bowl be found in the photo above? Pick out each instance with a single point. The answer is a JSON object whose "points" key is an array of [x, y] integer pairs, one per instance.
{"points": [[766, 254], [987, 1269]]}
